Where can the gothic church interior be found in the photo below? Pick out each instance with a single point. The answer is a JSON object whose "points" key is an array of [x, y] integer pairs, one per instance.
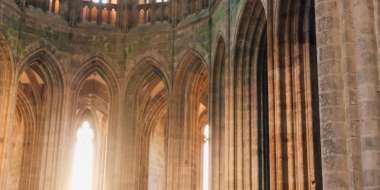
{"points": [[189, 95]]}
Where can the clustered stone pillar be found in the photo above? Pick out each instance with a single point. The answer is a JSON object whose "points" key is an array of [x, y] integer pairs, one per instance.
{"points": [[6, 100]]}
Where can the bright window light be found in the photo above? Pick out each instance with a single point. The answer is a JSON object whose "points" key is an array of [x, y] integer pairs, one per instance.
{"points": [[83, 159], [206, 150]]}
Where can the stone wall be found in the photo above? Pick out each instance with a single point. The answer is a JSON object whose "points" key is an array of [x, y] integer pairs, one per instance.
{"points": [[293, 94]]}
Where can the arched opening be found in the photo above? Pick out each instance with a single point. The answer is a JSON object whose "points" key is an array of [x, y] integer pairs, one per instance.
{"points": [[34, 138], [83, 160], [191, 92], [92, 100], [147, 118]]}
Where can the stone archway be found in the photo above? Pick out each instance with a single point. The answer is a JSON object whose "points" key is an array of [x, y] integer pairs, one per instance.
{"points": [[95, 90], [189, 104], [37, 123], [146, 125]]}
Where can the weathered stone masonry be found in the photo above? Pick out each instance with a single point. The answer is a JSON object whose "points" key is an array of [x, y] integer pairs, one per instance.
{"points": [[290, 89]]}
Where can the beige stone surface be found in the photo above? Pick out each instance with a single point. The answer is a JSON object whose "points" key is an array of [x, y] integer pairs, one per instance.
{"points": [[289, 88]]}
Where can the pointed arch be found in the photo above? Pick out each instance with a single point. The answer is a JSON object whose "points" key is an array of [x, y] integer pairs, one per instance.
{"points": [[190, 103], [99, 65], [189, 74], [95, 88], [48, 65], [190, 56], [216, 41], [87, 115], [146, 108], [149, 69], [151, 62], [45, 83]]}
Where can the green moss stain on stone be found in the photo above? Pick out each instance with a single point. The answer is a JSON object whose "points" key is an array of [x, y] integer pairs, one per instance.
{"points": [[202, 36]]}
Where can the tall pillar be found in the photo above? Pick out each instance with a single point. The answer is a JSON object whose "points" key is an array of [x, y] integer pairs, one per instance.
{"points": [[349, 94], [332, 106], [7, 103], [368, 92]]}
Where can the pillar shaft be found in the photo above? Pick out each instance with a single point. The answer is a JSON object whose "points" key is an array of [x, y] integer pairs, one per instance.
{"points": [[368, 94]]}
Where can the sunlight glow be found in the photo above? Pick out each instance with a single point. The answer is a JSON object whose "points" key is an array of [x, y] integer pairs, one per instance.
{"points": [[206, 150], [83, 159]]}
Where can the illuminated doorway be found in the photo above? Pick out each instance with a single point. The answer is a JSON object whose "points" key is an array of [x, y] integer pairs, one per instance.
{"points": [[83, 162]]}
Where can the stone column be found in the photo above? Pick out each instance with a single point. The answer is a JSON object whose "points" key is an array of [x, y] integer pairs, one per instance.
{"points": [[368, 94], [113, 165], [7, 104], [333, 125], [52, 121]]}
